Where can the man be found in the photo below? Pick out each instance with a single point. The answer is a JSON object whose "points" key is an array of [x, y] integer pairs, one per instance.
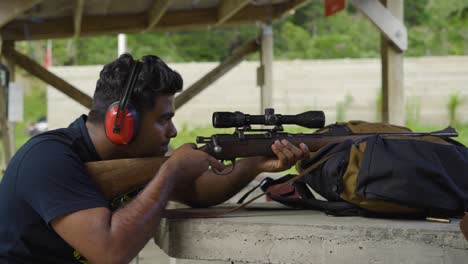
{"points": [[51, 210]]}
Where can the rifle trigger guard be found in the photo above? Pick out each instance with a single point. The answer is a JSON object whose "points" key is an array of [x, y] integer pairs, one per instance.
{"points": [[233, 163]]}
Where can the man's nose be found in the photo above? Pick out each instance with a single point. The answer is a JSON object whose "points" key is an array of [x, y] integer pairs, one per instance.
{"points": [[172, 131]]}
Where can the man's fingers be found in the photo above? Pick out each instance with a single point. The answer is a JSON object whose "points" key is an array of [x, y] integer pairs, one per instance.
{"points": [[287, 153], [305, 151], [297, 152], [216, 164], [190, 145], [277, 151]]}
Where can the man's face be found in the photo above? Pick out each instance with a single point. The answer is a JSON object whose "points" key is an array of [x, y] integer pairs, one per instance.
{"points": [[156, 129]]}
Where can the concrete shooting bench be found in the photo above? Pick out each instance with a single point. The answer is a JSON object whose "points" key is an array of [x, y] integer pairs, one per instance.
{"points": [[271, 233]]}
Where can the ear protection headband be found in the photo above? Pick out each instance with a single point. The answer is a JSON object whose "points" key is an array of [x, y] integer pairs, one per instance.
{"points": [[122, 120]]}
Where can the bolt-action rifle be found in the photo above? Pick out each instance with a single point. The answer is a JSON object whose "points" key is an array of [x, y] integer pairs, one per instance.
{"points": [[116, 177]]}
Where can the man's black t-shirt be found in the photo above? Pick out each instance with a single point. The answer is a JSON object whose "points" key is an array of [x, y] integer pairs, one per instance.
{"points": [[44, 180]]}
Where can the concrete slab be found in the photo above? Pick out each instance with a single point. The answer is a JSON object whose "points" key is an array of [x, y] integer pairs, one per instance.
{"points": [[284, 236]]}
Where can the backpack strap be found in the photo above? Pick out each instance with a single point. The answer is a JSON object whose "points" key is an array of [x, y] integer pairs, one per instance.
{"points": [[297, 195], [291, 192], [241, 200]]}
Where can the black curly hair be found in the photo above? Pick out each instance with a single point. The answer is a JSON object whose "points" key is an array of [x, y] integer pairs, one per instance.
{"points": [[155, 78]]}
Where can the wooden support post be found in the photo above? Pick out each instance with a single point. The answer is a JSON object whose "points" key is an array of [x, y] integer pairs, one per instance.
{"points": [[42, 73], [393, 96], [230, 62], [265, 72], [7, 128]]}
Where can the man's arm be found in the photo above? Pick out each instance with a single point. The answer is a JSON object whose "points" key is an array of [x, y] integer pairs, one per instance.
{"points": [[105, 237], [211, 188]]}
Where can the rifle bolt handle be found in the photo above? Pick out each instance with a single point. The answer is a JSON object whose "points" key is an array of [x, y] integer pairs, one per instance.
{"points": [[217, 149]]}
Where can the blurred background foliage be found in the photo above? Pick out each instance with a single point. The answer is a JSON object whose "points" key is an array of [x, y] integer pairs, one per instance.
{"points": [[434, 28]]}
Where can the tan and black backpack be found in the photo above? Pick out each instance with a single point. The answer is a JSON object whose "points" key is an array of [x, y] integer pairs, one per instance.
{"points": [[381, 176]]}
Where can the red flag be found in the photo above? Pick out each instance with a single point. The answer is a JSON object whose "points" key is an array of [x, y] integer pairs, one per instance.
{"points": [[333, 6], [48, 55]]}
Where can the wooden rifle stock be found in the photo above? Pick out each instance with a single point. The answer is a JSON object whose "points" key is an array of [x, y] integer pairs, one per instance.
{"points": [[116, 177]]}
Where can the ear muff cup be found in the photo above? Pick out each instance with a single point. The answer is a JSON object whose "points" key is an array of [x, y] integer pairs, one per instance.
{"points": [[129, 124]]}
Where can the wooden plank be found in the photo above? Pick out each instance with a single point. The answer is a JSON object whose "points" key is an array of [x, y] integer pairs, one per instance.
{"points": [[156, 12], [114, 24], [12, 68], [78, 17], [230, 62], [389, 24], [229, 8], [7, 128], [42, 73], [9, 10], [393, 94]]}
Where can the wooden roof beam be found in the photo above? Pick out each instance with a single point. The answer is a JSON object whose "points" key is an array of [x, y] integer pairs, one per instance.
{"points": [[228, 8], [156, 12], [392, 27], [225, 66], [288, 7], [9, 10], [42, 73], [78, 17], [113, 24]]}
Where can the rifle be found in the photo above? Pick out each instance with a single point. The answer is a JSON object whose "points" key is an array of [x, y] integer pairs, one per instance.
{"points": [[116, 177]]}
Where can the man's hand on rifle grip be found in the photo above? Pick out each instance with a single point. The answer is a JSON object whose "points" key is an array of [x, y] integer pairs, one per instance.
{"points": [[192, 162], [287, 155]]}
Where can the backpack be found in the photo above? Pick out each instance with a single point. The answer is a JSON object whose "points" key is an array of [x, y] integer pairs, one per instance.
{"points": [[379, 176]]}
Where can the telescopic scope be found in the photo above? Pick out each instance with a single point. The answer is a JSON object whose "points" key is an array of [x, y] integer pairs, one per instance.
{"points": [[309, 119]]}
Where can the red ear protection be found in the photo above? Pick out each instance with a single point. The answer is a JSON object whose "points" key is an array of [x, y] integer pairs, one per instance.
{"points": [[128, 125], [122, 120]]}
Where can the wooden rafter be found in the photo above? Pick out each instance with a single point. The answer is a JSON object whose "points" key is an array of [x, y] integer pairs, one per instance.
{"points": [[226, 65], [392, 27], [9, 10], [42, 73], [228, 8], [113, 24], [78, 16], [156, 12], [284, 9]]}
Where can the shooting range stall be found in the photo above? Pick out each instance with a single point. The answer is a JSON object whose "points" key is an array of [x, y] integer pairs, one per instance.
{"points": [[25, 20]]}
